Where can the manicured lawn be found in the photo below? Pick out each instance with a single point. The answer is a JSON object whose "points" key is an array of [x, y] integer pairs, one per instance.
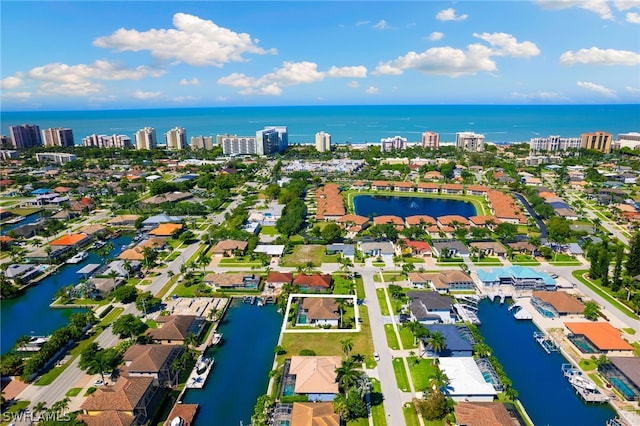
{"points": [[25, 211], [413, 260], [488, 262], [236, 262], [331, 258], [268, 230], [378, 264], [15, 408], [407, 338], [167, 286], [342, 285], [392, 277], [73, 392], [392, 340], [110, 317], [421, 372], [629, 331], [410, 415], [377, 409], [588, 364], [382, 301], [605, 294], [302, 254], [401, 375]]}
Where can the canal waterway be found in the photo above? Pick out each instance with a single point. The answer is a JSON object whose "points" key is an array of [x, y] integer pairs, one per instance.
{"points": [[545, 393], [374, 205], [30, 313], [242, 364], [28, 220]]}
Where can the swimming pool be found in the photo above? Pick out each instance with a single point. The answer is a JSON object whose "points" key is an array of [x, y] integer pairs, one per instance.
{"points": [[583, 344], [289, 389], [626, 391]]}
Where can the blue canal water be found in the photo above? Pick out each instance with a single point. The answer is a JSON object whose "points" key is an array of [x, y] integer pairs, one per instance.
{"points": [[32, 218], [242, 364], [370, 205], [30, 312], [545, 393]]}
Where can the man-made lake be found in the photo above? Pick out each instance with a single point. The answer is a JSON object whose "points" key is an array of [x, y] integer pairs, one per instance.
{"points": [[545, 393], [373, 205], [242, 364], [30, 313]]}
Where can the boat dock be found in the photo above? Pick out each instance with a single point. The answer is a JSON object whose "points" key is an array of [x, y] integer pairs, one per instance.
{"points": [[583, 386], [546, 342], [200, 372], [520, 313]]}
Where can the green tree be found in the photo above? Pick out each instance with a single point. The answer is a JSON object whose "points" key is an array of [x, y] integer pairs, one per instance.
{"points": [[331, 232], [436, 342], [125, 294], [347, 346], [128, 325], [633, 259], [591, 311], [616, 282], [347, 375]]}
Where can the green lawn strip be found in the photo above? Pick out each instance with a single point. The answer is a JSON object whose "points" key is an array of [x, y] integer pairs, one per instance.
{"points": [[392, 340], [606, 295], [382, 301], [401, 374], [631, 331], [73, 392], [167, 287], [330, 258], [407, 339], [410, 415], [421, 372], [360, 288], [526, 263], [14, 409], [434, 422], [358, 422], [571, 263], [413, 260], [392, 277], [378, 264], [377, 409], [110, 317]]}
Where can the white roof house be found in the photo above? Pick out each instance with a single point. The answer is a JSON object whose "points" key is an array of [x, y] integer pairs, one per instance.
{"points": [[270, 250], [466, 382]]}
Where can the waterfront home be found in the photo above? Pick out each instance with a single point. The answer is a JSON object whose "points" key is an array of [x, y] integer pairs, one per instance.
{"points": [[429, 188], [27, 231], [167, 230], [175, 329], [64, 215], [276, 280], [185, 413], [453, 220], [483, 414], [353, 223], [229, 248], [624, 374], [380, 185], [416, 248], [504, 207], [314, 376], [521, 278], [403, 186], [455, 343], [94, 230], [313, 413], [314, 283], [484, 221], [125, 220], [376, 248], [40, 255], [489, 248], [318, 311], [391, 220], [452, 188], [121, 269], [73, 241], [99, 287], [449, 248], [554, 304], [597, 337], [83, 205], [466, 382], [419, 279], [359, 185], [153, 221], [135, 253], [444, 281], [419, 220], [345, 250], [232, 281], [152, 361], [130, 401], [22, 273], [477, 190], [430, 307]]}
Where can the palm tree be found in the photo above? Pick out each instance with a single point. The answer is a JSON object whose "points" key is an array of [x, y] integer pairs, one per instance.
{"points": [[347, 346], [39, 407], [341, 407], [439, 380], [347, 375], [341, 303], [62, 405], [113, 275], [437, 342], [127, 267]]}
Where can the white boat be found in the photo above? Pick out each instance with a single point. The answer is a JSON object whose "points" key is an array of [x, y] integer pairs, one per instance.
{"points": [[217, 338], [582, 382], [203, 364], [78, 257], [14, 220], [99, 244]]}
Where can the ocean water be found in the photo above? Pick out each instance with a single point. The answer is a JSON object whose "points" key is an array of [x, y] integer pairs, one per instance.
{"points": [[348, 124]]}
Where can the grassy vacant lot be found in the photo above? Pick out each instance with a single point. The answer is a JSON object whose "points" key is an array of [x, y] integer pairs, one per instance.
{"points": [[302, 254]]}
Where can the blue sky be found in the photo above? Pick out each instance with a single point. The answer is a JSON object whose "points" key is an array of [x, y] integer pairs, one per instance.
{"points": [[146, 54]]}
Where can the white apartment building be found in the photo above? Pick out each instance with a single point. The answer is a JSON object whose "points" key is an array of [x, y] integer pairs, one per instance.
{"points": [[323, 141], [238, 145], [469, 141], [57, 136], [627, 140], [202, 143], [553, 144], [176, 139], [55, 157], [394, 143], [430, 140], [104, 141], [146, 138]]}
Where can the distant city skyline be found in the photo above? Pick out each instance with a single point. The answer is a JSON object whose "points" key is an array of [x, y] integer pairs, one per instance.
{"points": [[148, 54]]}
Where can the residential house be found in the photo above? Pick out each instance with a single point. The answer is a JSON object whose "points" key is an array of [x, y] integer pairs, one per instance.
{"points": [[452, 220], [167, 230], [483, 414], [125, 220], [452, 188], [153, 221], [403, 186], [318, 311], [457, 344], [478, 190], [313, 283], [94, 230], [450, 248], [22, 273], [380, 185], [169, 197], [489, 248], [430, 307], [484, 221], [273, 250], [359, 185], [556, 303], [419, 220], [443, 281], [353, 223], [315, 376], [230, 248], [152, 361], [521, 278], [276, 280], [466, 382], [601, 335], [623, 372], [329, 203], [376, 248], [416, 248], [397, 221], [232, 281], [182, 414], [175, 329], [134, 398], [429, 188], [345, 250], [433, 175], [314, 414]]}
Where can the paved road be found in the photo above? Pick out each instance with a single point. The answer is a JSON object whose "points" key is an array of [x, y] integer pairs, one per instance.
{"points": [[543, 228]]}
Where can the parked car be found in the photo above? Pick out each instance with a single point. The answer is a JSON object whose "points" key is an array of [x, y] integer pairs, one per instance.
{"points": [[376, 357]]}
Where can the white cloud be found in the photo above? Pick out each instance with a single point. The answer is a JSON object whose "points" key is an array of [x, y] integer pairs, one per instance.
{"points": [[349, 72], [361, 23], [633, 17], [139, 94], [372, 90], [450, 15], [381, 25], [540, 95], [632, 90], [436, 35], [21, 96], [597, 88], [183, 99], [601, 7], [290, 74], [77, 88], [596, 56], [10, 83], [353, 84], [507, 45], [626, 4], [193, 82], [194, 40]]}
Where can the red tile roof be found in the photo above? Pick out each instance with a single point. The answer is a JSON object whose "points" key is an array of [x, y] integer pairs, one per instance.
{"points": [[315, 280], [602, 334]]}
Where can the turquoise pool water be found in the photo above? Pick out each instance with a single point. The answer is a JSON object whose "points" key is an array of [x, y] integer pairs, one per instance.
{"points": [[623, 388]]}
